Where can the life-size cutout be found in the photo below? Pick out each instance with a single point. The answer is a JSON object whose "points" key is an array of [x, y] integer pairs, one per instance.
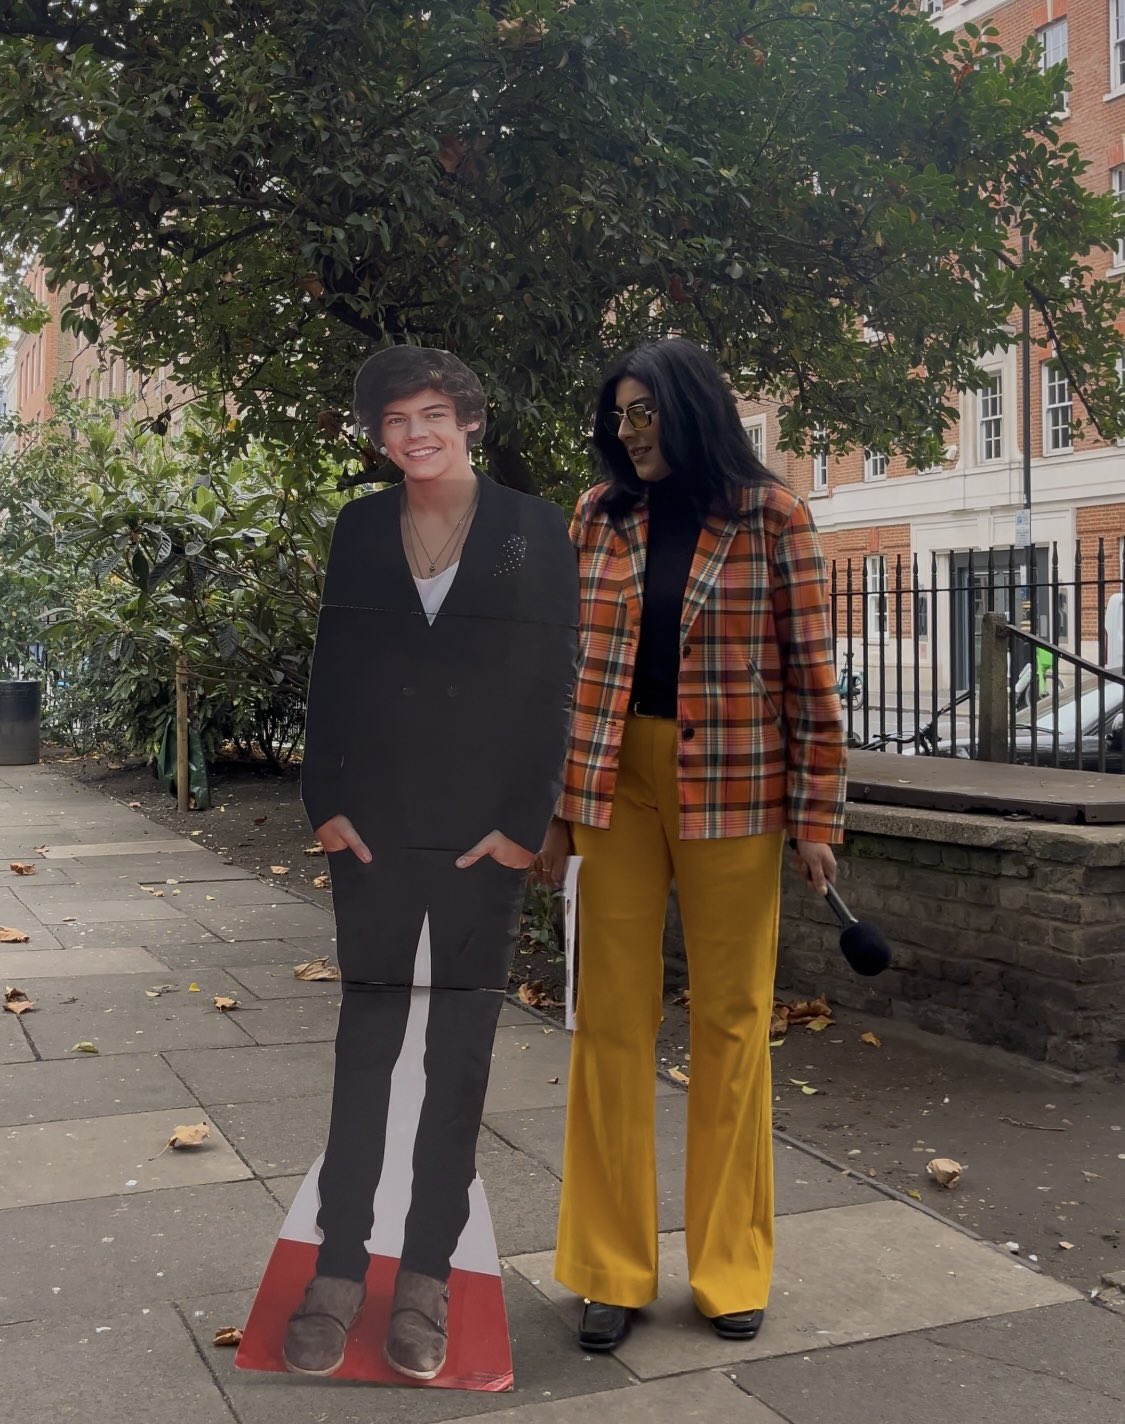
{"points": [[437, 724]]}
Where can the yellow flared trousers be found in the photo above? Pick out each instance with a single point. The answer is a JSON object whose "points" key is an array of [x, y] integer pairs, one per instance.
{"points": [[729, 895]]}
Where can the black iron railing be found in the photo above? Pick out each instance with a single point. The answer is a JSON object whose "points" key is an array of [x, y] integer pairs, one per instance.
{"points": [[909, 649]]}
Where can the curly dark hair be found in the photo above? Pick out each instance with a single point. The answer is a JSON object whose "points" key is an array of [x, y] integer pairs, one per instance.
{"points": [[399, 371], [700, 431]]}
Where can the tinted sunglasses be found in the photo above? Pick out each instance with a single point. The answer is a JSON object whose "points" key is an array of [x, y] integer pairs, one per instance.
{"points": [[637, 413]]}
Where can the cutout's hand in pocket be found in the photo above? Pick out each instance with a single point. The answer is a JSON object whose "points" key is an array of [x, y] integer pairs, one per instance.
{"points": [[339, 834], [502, 850]]}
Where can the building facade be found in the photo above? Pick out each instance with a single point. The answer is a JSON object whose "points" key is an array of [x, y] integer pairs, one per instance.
{"points": [[880, 517]]}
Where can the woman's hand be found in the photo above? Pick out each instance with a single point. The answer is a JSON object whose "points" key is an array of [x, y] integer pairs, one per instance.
{"points": [[557, 846], [816, 864], [340, 834], [502, 850]]}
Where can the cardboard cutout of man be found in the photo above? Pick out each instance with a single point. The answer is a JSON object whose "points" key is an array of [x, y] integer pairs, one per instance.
{"points": [[437, 723]]}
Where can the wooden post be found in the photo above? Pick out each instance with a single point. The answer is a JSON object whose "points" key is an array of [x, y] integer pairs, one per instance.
{"points": [[183, 774], [994, 695]]}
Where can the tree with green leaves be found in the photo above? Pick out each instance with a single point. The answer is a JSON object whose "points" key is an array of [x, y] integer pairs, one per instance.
{"points": [[123, 549], [258, 192]]}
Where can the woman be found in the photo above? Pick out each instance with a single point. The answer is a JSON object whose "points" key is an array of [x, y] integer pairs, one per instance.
{"points": [[706, 731], [436, 731]]}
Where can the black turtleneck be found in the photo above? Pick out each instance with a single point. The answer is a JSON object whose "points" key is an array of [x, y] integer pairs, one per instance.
{"points": [[673, 533]]}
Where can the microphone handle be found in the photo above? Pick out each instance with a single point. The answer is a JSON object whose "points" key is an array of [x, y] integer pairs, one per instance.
{"points": [[839, 909]]}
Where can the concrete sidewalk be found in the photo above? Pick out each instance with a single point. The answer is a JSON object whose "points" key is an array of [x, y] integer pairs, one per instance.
{"points": [[119, 1265]]}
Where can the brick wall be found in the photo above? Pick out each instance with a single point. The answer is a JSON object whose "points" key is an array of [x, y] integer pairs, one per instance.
{"points": [[1004, 934]]}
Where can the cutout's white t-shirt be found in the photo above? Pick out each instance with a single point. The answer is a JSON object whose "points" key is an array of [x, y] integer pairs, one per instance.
{"points": [[432, 591]]}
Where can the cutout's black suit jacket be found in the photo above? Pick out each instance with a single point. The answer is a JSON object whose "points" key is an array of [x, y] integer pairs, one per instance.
{"points": [[432, 736]]}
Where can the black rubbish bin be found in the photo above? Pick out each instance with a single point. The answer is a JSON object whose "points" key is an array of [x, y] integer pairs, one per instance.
{"points": [[20, 706]]}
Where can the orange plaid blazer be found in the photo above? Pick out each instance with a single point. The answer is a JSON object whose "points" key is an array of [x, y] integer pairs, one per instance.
{"points": [[761, 741]]}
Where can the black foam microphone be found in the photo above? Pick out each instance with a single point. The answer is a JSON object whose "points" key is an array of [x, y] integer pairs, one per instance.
{"points": [[862, 944]]}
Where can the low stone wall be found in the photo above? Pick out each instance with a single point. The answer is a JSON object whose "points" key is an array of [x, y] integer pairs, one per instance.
{"points": [[1004, 932]]}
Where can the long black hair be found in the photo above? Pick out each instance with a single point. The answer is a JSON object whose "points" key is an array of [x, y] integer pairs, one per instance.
{"points": [[701, 435]]}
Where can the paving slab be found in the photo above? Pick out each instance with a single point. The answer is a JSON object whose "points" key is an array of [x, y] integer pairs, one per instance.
{"points": [[125, 934], [19, 963], [547, 1366], [39, 896], [114, 1013], [285, 1189], [992, 1369], [133, 1368], [16, 916], [82, 1158], [529, 1068], [523, 1197], [155, 868], [44, 874], [222, 893], [252, 1075], [844, 1274], [55, 906], [76, 1259], [689, 1399], [14, 1047], [146, 845], [88, 1087], [235, 922], [277, 981], [310, 1020], [208, 951], [280, 1137]]}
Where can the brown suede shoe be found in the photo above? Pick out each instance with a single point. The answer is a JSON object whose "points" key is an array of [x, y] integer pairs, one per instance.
{"points": [[318, 1328], [419, 1334]]}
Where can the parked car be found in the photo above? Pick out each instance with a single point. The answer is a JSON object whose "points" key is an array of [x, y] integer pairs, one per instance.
{"points": [[1096, 732]]}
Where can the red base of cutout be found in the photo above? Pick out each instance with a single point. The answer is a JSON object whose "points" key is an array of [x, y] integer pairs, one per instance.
{"points": [[480, 1355]]}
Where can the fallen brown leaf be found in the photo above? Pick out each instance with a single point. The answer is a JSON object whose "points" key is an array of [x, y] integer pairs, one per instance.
{"points": [[678, 1075], [279, 870], [872, 1038], [1066, 1245], [9, 936], [321, 882], [228, 1335], [802, 1011], [23, 867], [314, 850], [260, 820], [42, 850], [192, 1136], [819, 1024], [683, 998], [914, 1195], [134, 805], [316, 970], [84, 1047], [16, 1001], [153, 891], [224, 1003], [533, 993], [945, 1171]]}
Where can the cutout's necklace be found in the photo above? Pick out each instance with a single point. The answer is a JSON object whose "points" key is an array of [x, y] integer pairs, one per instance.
{"points": [[432, 561]]}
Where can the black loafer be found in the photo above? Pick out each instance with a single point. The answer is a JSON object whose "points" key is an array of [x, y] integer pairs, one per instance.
{"points": [[739, 1324], [604, 1327]]}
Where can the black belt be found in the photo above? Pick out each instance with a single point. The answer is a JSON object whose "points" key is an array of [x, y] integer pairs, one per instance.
{"points": [[636, 709]]}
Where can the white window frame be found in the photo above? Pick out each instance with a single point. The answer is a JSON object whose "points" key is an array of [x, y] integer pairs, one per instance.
{"points": [[874, 466], [755, 427], [819, 465], [1116, 46], [1052, 29], [878, 604], [933, 8], [1117, 180], [990, 420], [1053, 379]]}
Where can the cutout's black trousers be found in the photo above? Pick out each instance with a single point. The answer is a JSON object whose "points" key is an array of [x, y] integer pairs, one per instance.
{"points": [[474, 922]]}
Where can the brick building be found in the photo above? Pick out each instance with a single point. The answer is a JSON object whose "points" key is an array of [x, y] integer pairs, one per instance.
{"points": [[876, 511], [50, 356]]}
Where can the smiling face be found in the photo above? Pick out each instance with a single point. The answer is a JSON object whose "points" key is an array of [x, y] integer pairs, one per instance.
{"points": [[422, 437], [642, 446]]}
